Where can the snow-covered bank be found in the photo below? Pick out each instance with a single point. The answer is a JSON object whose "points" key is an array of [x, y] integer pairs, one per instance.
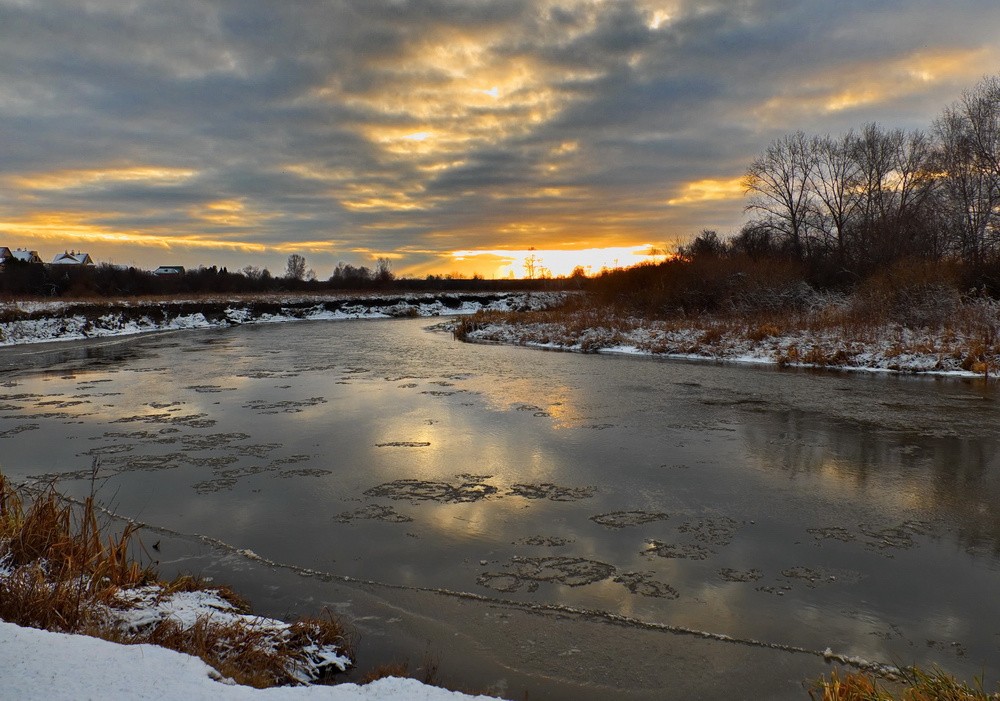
{"points": [[63, 572], [35, 322], [884, 348], [43, 666]]}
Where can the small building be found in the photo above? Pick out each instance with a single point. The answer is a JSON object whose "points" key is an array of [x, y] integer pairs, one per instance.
{"points": [[26, 256], [72, 258], [169, 270], [18, 254]]}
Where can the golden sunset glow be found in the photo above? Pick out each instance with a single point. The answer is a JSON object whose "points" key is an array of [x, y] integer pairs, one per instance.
{"points": [[709, 189], [69, 179], [349, 130], [228, 213], [70, 226], [476, 98], [360, 198], [870, 84], [76, 231], [558, 263]]}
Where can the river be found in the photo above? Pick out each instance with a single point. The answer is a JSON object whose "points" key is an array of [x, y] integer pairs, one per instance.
{"points": [[538, 524]]}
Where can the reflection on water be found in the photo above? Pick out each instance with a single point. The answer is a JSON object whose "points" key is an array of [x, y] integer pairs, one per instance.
{"points": [[801, 509]]}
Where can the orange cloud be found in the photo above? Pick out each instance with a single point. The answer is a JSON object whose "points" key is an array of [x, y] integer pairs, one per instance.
{"points": [[230, 213], [66, 227], [708, 190], [454, 92], [865, 84], [67, 179]]}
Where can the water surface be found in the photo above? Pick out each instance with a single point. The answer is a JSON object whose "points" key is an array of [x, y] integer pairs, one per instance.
{"points": [[593, 506]]}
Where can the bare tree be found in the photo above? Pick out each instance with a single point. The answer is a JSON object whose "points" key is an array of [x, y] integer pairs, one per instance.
{"points": [[296, 268], [968, 165], [895, 181], [834, 180], [981, 107], [873, 153], [383, 270], [255, 273], [778, 182], [531, 264]]}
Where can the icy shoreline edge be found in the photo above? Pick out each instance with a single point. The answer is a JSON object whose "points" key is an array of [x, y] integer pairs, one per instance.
{"points": [[25, 322], [733, 347]]}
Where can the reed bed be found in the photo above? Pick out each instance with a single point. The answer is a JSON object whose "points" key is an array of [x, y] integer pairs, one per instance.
{"points": [[874, 328], [914, 685], [62, 569]]}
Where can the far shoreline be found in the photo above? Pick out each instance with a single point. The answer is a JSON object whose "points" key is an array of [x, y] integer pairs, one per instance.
{"points": [[504, 318]]}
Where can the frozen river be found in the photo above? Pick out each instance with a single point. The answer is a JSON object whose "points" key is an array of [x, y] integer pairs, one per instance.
{"points": [[549, 524]]}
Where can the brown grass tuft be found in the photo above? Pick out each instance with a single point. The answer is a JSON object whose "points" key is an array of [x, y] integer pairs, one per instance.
{"points": [[252, 654], [914, 685], [61, 564], [763, 331], [64, 571]]}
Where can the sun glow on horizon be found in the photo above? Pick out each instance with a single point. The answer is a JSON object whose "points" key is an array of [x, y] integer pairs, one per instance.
{"points": [[540, 263]]}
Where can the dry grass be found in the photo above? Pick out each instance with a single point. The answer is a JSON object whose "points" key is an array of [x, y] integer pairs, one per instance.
{"points": [[915, 685], [879, 324], [61, 563], [61, 570], [249, 654]]}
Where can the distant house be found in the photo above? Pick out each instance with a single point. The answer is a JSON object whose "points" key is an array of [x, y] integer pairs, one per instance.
{"points": [[25, 256], [19, 254], [169, 270], [72, 258]]}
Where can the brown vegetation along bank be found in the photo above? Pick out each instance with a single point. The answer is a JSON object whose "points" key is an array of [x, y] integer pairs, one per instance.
{"points": [[908, 321], [910, 685], [63, 570], [36, 321]]}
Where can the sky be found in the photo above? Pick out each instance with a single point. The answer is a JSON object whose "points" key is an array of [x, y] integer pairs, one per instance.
{"points": [[451, 136]]}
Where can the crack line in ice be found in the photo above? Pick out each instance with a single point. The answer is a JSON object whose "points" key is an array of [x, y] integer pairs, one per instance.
{"points": [[885, 670]]}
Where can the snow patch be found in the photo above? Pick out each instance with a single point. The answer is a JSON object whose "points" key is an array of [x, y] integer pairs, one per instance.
{"points": [[37, 322], [43, 666]]}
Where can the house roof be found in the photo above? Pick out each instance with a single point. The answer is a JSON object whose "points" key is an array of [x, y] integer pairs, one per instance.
{"points": [[21, 254], [26, 256], [72, 258]]}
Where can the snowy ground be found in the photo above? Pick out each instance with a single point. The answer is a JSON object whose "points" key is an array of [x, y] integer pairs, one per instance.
{"points": [[45, 665], [34, 322], [885, 348], [42, 666]]}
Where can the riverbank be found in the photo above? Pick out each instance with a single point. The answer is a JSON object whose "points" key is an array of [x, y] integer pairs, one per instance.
{"points": [[831, 336], [73, 593], [38, 321], [329, 425], [44, 666]]}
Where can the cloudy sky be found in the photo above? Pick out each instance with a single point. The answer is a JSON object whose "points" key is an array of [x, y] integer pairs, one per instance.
{"points": [[449, 135]]}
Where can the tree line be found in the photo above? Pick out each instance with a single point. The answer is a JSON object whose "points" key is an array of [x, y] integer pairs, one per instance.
{"points": [[861, 201], [20, 279]]}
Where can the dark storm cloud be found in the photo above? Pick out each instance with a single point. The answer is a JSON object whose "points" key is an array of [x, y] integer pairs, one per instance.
{"points": [[415, 127]]}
